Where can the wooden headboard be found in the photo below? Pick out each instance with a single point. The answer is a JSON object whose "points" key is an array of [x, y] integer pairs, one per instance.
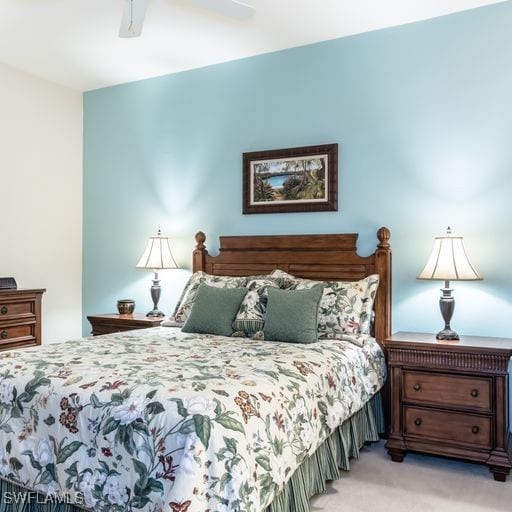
{"points": [[322, 257]]}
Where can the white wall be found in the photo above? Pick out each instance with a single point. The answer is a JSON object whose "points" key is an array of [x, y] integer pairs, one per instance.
{"points": [[41, 195]]}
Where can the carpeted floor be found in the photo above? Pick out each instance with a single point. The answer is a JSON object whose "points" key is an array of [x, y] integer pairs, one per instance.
{"points": [[419, 484]]}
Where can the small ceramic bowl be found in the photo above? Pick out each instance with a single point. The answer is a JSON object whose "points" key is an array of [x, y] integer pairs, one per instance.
{"points": [[125, 306]]}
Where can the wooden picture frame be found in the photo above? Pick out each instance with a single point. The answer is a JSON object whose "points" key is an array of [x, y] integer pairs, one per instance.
{"points": [[303, 179]]}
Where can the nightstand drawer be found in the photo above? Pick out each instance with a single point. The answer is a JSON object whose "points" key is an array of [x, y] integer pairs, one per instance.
{"points": [[16, 333], [18, 309], [448, 426], [456, 391]]}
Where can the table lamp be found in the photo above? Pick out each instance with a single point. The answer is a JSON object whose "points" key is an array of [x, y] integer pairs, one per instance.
{"points": [[448, 262], [157, 256]]}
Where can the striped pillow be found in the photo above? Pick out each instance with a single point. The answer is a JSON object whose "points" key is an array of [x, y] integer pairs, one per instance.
{"points": [[251, 314]]}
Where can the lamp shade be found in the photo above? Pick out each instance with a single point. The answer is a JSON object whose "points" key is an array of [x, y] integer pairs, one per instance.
{"points": [[449, 260], [157, 254]]}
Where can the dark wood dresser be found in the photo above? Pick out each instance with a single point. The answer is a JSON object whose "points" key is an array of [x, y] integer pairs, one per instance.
{"points": [[450, 398], [108, 324], [20, 318]]}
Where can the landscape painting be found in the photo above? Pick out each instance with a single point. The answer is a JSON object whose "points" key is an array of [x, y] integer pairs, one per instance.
{"points": [[291, 180]]}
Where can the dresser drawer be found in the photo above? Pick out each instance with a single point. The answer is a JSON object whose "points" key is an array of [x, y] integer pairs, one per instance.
{"points": [[448, 426], [10, 334], [456, 391], [16, 309]]}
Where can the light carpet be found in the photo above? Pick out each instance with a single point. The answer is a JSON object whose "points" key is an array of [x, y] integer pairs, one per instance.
{"points": [[420, 483]]}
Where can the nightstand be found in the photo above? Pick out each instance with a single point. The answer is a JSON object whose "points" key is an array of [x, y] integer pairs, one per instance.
{"points": [[450, 398], [108, 324]]}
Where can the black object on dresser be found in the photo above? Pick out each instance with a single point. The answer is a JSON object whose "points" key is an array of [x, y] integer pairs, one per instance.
{"points": [[108, 324], [450, 398], [8, 283], [20, 318]]}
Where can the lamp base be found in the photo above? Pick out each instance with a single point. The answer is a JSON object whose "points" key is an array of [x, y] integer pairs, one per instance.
{"points": [[447, 334], [155, 295], [447, 305], [155, 313]]}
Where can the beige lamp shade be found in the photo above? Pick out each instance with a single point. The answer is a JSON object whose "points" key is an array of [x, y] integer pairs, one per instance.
{"points": [[449, 260], [157, 254]]}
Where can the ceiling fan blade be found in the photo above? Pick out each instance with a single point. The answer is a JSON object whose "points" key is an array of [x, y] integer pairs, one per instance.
{"points": [[133, 18], [230, 8]]}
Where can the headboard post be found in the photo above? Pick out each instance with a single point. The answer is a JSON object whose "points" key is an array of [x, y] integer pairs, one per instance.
{"points": [[200, 252], [383, 298]]}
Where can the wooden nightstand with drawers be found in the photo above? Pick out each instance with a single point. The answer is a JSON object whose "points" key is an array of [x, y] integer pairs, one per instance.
{"points": [[450, 398], [108, 324], [20, 318]]}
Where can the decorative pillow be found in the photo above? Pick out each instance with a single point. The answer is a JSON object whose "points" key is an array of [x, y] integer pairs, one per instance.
{"points": [[251, 315], [346, 307], [292, 315], [284, 279], [214, 310], [188, 296]]}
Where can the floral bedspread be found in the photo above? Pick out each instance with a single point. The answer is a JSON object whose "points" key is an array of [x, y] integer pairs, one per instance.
{"points": [[159, 420]]}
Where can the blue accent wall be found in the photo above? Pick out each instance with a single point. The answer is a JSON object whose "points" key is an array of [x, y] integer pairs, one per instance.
{"points": [[422, 114]]}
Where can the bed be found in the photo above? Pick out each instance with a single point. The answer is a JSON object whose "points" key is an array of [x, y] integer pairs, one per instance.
{"points": [[164, 420]]}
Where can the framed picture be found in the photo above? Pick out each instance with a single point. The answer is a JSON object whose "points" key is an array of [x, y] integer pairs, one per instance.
{"points": [[291, 180]]}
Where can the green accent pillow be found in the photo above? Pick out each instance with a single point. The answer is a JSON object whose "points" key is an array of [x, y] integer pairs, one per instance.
{"points": [[292, 315], [214, 310], [188, 295]]}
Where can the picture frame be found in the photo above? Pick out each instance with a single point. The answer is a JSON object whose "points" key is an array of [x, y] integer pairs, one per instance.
{"points": [[302, 179]]}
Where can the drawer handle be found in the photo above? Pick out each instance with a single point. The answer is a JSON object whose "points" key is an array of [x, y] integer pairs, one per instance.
{"points": [[4, 334], [4, 310], [474, 393], [417, 387], [417, 422], [475, 430]]}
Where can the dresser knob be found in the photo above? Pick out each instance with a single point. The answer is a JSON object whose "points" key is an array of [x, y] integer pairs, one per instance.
{"points": [[474, 393], [4, 334], [417, 387], [475, 430], [4, 310], [417, 422]]}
